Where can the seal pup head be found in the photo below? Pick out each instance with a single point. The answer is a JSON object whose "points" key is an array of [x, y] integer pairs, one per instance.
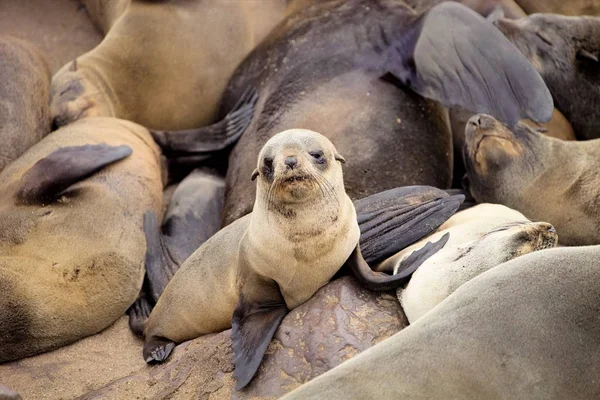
{"points": [[298, 166], [498, 159], [77, 92], [566, 53]]}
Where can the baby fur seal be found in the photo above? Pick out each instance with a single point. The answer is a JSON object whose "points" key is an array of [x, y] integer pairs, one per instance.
{"points": [[566, 53], [71, 239], [163, 64], [527, 329], [481, 238], [24, 111], [302, 230], [544, 178], [345, 68]]}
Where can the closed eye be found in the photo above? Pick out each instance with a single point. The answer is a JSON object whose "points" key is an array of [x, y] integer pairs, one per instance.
{"points": [[544, 38]]}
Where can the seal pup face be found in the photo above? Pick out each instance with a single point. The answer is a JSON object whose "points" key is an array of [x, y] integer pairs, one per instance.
{"points": [[77, 93], [566, 53], [493, 153], [299, 165]]}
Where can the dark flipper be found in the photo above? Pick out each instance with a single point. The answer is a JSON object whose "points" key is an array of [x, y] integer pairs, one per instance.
{"points": [[380, 281], [160, 268], [139, 313], [392, 220], [454, 56], [469, 199], [210, 138], [157, 350], [255, 320], [53, 174]]}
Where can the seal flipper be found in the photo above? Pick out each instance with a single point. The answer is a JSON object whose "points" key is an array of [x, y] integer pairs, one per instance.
{"points": [[210, 138], [160, 268], [380, 281], [392, 220], [255, 320], [454, 56], [139, 313], [157, 350], [53, 174]]}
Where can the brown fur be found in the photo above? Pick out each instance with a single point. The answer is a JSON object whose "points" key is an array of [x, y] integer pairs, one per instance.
{"points": [[163, 64], [70, 268], [104, 13], [24, 92], [544, 178], [569, 7]]}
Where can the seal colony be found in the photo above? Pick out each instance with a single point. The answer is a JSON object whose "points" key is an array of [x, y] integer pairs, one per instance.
{"points": [[353, 86]]}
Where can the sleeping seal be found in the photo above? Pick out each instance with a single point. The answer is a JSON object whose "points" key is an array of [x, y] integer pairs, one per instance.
{"points": [[163, 64], [71, 239], [544, 178], [302, 230], [527, 329], [345, 68], [566, 53], [24, 112], [481, 238]]}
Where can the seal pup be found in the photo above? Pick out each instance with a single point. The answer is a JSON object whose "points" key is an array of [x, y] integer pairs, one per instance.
{"points": [[163, 64], [345, 68], [566, 53], [72, 243], [24, 111], [481, 238], [302, 230], [527, 329], [544, 178]]}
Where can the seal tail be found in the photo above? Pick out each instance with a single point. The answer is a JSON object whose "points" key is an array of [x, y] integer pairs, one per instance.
{"points": [[201, 142]]}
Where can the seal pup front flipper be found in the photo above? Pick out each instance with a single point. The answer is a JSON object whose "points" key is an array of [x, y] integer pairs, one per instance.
{"points": [[255, 320], [380, 281], [53, 174], [392, 220], [208, 139], [453, 55]]}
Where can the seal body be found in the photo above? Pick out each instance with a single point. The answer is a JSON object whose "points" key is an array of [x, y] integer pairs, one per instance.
{"points": [[566, 52], [72, 256], [481, 238], [544, 178], [497, 337], [179, 57], [572, 7], [24, 111]]}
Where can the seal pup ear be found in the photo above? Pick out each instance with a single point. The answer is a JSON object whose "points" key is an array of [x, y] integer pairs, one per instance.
{"points": [[339, 157], [454, 56], [584, 55], [73, 66], [209, 139], [380, 281], [257, 316], [392, 220], [52, 175], [254, 174]]}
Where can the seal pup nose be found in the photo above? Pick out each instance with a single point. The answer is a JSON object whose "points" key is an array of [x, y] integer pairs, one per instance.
{"points": [[291, 162], [475, 121]]}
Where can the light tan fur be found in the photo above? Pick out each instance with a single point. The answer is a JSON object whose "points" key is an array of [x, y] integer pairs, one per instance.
{"points": [[104, 13], [24, 92], [299, 235], [570, 7], [70, 268], [163, 64], [481, 238]]}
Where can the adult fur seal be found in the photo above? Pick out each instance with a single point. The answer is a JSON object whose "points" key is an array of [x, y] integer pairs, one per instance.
{"points": [[519, 167], [163, 64], [481, 238], [72, 245], [527, 329], [324, 72], [24, 112], [302, 230], [566, 53]]}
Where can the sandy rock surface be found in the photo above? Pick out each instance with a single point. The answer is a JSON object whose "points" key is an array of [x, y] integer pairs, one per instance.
{"points": [[339, 322]]}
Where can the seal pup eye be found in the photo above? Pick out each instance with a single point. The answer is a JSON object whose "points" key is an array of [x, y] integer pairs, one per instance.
{"points": [[318, 156], [267, 168]]}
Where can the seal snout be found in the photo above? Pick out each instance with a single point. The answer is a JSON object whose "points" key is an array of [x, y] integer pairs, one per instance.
{"points": [[291, 162], [547, 235]]}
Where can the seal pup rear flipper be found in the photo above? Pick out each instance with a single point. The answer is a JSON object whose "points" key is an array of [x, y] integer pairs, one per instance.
{"points": [[53, 174], [380, 281], [255, 320], [394, 219], [201, 142], [453, 55]]}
